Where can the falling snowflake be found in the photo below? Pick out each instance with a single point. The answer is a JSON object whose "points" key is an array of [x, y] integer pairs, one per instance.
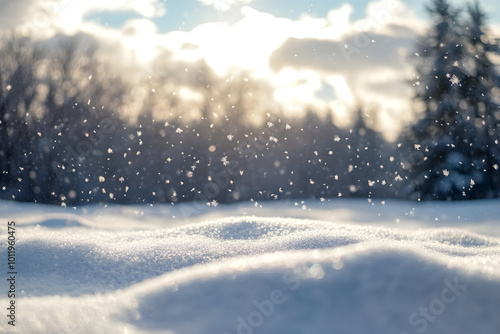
{"points": [[454, 80]]}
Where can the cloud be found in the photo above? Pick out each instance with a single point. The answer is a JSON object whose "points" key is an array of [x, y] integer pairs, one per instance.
{"points": [[250, 41], [375, 69], [145, 8], [225, 5], [45, 18], [73, 12], [26, 12], [354, 53]]}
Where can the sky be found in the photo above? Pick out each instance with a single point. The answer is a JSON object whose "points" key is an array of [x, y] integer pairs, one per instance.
{"points": [[334, 55]]}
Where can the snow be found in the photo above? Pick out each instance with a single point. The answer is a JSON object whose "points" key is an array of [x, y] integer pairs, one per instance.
{"points": [[339, 266]]}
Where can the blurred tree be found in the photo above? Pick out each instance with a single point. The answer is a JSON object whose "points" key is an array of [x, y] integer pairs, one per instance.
{"points": [[481, 90], [366, 152], [446, 152], [18, 94]]}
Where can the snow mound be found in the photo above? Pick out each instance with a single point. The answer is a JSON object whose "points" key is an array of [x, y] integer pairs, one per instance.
{"points": [[373, 288], [254, 275]]}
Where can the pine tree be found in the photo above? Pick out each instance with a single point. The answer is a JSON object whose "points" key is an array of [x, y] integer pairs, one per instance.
{"points": [[445, 152], [479, 93]]}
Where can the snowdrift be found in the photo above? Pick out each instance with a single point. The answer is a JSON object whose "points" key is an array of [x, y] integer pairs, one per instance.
{"points": [[106, 270]]}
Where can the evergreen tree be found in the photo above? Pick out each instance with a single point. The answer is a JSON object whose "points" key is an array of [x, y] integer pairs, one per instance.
{"points": [[446, 153], [479, 92]]}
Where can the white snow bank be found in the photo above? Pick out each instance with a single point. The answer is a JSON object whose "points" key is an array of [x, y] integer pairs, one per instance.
{"points": [[253, 274]]}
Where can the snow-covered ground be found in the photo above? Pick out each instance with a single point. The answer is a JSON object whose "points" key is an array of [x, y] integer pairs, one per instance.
{"points": [[343, 266]]}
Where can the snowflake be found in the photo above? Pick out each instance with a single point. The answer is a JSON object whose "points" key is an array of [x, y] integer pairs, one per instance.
{"points": [[454, 80]]}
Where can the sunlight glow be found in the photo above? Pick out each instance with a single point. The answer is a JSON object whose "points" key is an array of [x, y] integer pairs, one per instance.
{"points": [[139, 36]]}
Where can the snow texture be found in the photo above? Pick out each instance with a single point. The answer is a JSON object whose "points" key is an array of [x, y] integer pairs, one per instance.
{"points": [[323, 267]]}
